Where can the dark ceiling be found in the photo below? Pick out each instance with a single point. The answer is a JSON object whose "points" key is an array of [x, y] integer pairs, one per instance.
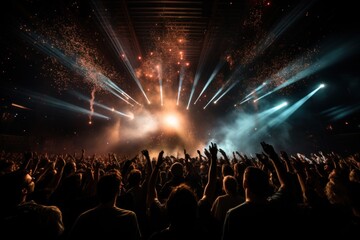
{"points": [[204, 25]]}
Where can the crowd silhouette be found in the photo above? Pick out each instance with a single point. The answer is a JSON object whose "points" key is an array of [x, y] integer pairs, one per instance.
{"points": [[207, 196]]}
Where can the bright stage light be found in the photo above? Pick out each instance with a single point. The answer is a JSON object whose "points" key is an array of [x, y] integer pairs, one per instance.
{"points": [[131, 116], [171, 121], [322, 85]]}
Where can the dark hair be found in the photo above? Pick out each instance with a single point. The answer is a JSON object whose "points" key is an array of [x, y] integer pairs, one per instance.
{"points": [[257, 181], [134, 177], [11, 185], [108, 186], [182, 205], [230, 185], [226, 170]]}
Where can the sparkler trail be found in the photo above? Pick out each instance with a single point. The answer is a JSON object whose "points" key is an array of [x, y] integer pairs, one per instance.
{"points": [[57, 103], [159, 69], [20, 106], [92, 105], [81, 96]]}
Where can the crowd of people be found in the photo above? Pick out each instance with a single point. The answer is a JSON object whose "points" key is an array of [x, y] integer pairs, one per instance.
{"points": [[213, 195]]}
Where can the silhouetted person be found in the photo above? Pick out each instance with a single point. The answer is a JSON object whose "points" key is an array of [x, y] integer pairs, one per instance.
{"points": [[107, 221], [255, 217], [21, 218]]}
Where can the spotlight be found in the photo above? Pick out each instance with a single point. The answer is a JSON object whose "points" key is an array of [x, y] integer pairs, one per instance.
{"points": [[322, 85]]}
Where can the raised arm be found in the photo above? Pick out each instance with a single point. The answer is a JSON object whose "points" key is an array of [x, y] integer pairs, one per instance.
{"points": [[152, 194], [227, 160], [279, 167], [285, 157], [209, 191], [148, 169]]}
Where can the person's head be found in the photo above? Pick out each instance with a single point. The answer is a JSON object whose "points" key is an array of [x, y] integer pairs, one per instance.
{"points": [[6, 166], [182, 205], [239, 169], [230, 185], [69, 168], [134, 177], [16, 186], [354, 175], [177, 169], [337, 188], [108, 186], [256, 181], [226, 170]]}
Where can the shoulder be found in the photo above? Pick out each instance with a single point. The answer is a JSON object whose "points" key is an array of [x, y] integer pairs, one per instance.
{"points": [[238, 209], [41, 209], [125, 212]]}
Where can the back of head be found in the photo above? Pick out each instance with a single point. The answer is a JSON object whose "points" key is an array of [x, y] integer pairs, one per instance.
{"points": [[256, 181], [134, 177], [182, 205], [177, 169], [226, 170], [230, 185], [69, 168], [239, 169], [11, 185], [6, 166], [108, 186]]}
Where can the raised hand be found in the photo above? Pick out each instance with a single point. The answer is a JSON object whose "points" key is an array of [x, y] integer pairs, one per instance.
{"points": [[145, 152], [207, 154], [222, 151], [60, 162], [213, 149], [268, 149], [161, 159], [297, 164]]}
